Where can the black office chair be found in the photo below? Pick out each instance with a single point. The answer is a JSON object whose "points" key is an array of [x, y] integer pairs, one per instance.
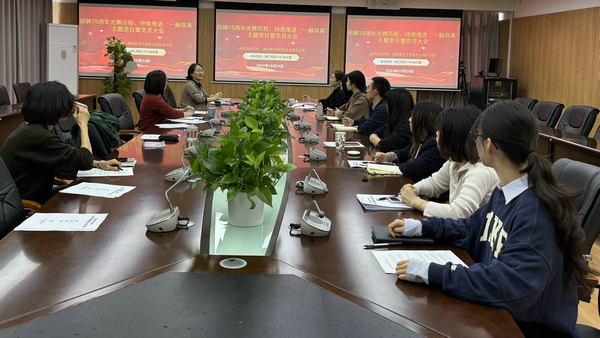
{"points": [[12, 212], [63, 130], [21, 90], [4, 99], [578, 120], [597, 134], [547, 113], [115, 104], [527, 102], [138, 95], [169, 97], [587, 178]]}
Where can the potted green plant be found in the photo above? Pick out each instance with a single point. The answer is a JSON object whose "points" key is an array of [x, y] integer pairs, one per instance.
{"points": [[119, 58], [250, 158]]}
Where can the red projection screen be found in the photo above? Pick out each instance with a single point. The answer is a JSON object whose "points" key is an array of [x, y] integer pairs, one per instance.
{"points": [[158, 37], [290, 47], [411, 52]]}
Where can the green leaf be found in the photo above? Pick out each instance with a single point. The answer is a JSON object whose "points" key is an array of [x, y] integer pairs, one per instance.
{"points": [[205, 189], [195, 184], [230, 178], [232, 193], [264, 194], [213, 165], [251, 122], [288, 167]]}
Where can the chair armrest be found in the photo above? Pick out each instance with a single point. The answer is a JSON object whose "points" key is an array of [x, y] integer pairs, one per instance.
{"points": [[59, 181], [30, 205]]}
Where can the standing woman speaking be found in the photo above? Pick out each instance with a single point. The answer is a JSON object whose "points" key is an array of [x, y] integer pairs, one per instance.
{"points": [[193, 94]]}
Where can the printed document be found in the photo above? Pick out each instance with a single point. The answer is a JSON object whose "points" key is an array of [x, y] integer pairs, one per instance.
{"points": [[62, 222], [388, 259], [128, 171], [98, 190]]}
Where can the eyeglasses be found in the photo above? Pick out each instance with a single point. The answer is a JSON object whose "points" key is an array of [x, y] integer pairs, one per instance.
{"points": [[475, 135]]}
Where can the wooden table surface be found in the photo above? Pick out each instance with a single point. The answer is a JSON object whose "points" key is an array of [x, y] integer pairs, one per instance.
{"points": [[44, 272]]}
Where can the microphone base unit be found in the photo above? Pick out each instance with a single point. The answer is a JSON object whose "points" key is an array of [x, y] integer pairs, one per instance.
{"points": [[176, 174], [314, 226], [164, 221]]}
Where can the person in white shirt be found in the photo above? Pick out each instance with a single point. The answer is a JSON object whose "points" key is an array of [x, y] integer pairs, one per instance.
{"points": [[469, 182]]}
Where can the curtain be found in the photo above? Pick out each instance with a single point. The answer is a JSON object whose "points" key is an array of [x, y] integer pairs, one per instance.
{"points": [[480, 39], [20, 41]]}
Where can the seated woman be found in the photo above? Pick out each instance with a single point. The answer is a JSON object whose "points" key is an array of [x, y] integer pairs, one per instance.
{"points": [[358, 106], [395, 134], [34, 154], [347, 92], [337, 97], [421, 157], [153, 108], [527, 242], [470, 182], [193, 94]]}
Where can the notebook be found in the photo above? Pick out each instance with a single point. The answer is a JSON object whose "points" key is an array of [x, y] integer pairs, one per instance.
{"points": [[383, 169], [381, 235]]}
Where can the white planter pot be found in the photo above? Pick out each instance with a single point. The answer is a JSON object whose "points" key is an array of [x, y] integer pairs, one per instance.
{"points": [[239, 213]]}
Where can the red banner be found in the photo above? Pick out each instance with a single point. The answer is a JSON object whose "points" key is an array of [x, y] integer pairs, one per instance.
{"points": [[286, 47], [158, 38], [409, 52]]}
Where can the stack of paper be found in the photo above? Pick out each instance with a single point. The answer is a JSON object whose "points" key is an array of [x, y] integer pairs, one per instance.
{"points": [[188, 120], [154, 145], [129, 163], [105, 173], [153, 137], [341, 127], [62, 222], [171, 126], [200, 112], [98, 190], [388, 260], [383, 169], [381, 202], [331, 118], [363, 164]]}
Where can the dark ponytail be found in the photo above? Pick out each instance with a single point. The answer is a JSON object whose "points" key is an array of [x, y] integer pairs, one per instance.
{"points": [[513, 129]]}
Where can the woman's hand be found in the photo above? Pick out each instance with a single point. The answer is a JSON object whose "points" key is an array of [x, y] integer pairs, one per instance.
{"points": [[348, 121], [401, 268], [374, 139], [330, 112], [218, 95], [81, 116], [408, 193], [396, 227], [110, 165], [380, 157], [188, 111]]}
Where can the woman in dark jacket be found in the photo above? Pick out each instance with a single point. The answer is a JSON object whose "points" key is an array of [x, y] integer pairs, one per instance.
{"points": [[421, 157], [337, 96], [396, 133]]}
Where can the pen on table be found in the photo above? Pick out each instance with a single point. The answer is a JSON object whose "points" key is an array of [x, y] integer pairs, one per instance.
{"points": [[381, 245], [384, 198]]}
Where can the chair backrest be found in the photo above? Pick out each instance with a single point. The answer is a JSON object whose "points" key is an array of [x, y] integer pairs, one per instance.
{"points": [[578, 120], [547, 113], [63, 130], [597, 134], [115, 104], [12, 212], [138, 95], [21, 90], [4, 99], [169, 97], [586, 177], [99, 144], [527, 102]]}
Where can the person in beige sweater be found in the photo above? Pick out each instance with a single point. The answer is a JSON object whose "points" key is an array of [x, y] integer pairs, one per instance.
{"points": [[470, 182], [358, 105], [193, 94]]}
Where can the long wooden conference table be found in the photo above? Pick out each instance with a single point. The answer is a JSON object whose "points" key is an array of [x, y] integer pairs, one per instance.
{"points": [[42, 273]]}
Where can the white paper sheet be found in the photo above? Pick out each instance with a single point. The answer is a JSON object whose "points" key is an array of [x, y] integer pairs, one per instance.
{"points": [[62, 222], [153, 137], [188, 120], [200, 112], [381, 202], [331, 118], [388, 259], [362, 164], [98, 190], [105, 173], [171, 126]]}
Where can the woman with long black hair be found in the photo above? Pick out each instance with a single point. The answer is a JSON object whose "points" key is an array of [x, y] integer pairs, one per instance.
{"points": [[396, 133], [526, 242]]}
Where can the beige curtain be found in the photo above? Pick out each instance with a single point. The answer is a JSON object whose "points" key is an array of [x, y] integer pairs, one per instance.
{"points": [[480, 39], [20, 41]]}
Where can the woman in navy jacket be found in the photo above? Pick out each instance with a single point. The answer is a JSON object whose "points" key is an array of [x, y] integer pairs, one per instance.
{"points": [[421, 157], [527, 241]]}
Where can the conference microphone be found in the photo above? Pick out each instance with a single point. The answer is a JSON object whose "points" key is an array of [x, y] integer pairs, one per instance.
{"points": [[293, 116], [315, 224], [303, 125], [314, 186], [315, 154], [209, 132], [178, 173], [168, 219], [309, 138]]}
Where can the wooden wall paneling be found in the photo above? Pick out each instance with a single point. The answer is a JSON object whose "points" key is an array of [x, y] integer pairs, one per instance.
{"points": [[64, 13], [555, 57]]}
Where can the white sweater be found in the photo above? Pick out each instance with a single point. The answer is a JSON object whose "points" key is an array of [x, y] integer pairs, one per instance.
{"points": [[470, 187]]}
